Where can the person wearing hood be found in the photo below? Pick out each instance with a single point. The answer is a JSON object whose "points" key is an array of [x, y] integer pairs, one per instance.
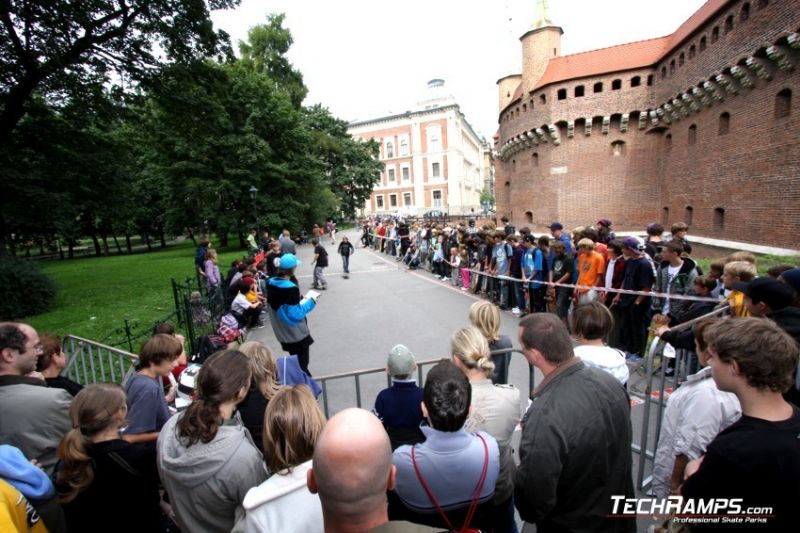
{"points": [[292, 425], [287, 311], [675, 275], [206, 458]]}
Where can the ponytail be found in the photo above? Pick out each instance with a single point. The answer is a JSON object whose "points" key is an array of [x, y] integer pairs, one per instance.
{"points": [[220, 379], [77, 472]]}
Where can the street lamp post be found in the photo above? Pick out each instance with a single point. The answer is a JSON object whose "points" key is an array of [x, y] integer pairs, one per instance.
{"points": [[253, 194]]}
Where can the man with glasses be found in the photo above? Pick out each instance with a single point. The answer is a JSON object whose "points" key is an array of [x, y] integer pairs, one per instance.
{"points": [[34, 417]]}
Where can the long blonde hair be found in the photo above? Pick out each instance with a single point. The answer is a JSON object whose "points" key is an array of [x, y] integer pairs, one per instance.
{"points": [[470, 346], [262, 364], [94, 410], [292, 424], [485, 316]]}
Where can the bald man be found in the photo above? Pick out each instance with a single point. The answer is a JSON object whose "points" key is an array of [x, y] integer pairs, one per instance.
{"points": [[351, 471]]}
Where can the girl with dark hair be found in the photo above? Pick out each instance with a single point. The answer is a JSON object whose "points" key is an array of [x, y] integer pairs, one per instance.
{"points": [[98, 469], [206, 458]]}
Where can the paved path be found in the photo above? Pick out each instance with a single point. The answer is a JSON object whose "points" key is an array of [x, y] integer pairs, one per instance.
{"points": [[358, 320]]}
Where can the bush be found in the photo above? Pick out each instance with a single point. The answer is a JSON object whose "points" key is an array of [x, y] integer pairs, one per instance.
{"points": [[26, 289]]}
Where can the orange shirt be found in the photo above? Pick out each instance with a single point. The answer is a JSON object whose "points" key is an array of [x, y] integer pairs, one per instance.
{"points": [[589, 267]]}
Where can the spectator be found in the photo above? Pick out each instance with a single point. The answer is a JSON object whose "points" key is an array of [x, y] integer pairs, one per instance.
{"points": [[99, 469], [635, 308], [591, 267], [28, 499], [486, 317], [695, 413], [757, 458], [576, 438], [263, 386], [591, 324], [266, 242], [533, 262], [654, 242], [495, 410], [678, 233], [448, 480], [251, 241], [320, 262], [737, 271], [292, 426], [213, 279], [33, 417], [615, 274], [351, 471], [561, 271], [675, 275], [206, 458], [273, 255], [557, 231], [287, 312], [248, 313], [604, 233], [501, 264], [287, 244], [200, 256], [147, 404], [52, 362], [398, 407]]}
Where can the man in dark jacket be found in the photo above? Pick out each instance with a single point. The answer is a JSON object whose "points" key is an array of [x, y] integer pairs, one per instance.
{"points": [[576, 438]]}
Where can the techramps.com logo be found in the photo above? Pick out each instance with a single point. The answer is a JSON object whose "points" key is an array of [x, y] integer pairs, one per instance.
{"points": [[691, 510]]}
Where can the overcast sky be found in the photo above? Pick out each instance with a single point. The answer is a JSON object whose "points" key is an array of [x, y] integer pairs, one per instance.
{"points": [[368, 58]]}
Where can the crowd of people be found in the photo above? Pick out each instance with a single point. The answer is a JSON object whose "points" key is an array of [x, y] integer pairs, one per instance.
{"points": [[251, 450]]}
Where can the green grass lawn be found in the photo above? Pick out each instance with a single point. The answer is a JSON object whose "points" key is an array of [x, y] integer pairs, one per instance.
{"points": [[96, 295]]}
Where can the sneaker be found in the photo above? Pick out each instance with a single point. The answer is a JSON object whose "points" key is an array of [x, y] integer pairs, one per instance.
{"points": [[464, 289], [633, 358], [516, 311], [669, 372], [445, 278]]}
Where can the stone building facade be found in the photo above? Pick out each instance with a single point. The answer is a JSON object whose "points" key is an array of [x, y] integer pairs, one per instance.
{"points": [[433, 158], [700, 126]]}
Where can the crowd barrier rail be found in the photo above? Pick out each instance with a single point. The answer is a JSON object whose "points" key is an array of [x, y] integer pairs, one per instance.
{"points": [[90, 362]]}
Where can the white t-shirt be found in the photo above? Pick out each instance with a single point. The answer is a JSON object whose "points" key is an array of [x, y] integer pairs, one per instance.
{"points": [[604, 358], [610, 272], [240, 304]]}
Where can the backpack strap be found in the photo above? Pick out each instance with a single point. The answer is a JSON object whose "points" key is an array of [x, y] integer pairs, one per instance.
{"points": [[476, 494]]}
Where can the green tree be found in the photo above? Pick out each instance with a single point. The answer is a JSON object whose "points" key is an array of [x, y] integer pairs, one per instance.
{"points": [[487, 196], [64, 47]]}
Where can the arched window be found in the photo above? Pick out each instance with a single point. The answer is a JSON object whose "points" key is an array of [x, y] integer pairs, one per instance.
{"points": [[562, 94], [715, 34], [389, 149], [663, 72], [688, 215], [636, 81], [616, 85], [579, 91], [618, 148], [783, 103], [529, 217], [681, 60], [724, 123], [719, 218], [649, 80], [598, 87], [692, 52], [535, 159], [543, 98], [729, 24], [692, 135], [665, 216], [403, 146], [744, 14], [668, 141], [702, 43], [672, 67]]}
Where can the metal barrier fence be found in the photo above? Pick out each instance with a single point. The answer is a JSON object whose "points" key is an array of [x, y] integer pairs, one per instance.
{"points": [[92, 362]]}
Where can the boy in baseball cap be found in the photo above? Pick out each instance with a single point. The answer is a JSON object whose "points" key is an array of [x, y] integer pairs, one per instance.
{"points": [[398, 406]]}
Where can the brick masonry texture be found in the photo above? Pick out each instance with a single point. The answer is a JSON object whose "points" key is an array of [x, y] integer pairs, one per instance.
{"points": [[740, 184]]}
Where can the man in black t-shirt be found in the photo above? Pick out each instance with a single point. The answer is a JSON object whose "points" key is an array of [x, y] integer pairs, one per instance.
{"points": [[320, 261], [757, 458], [635, 309]]}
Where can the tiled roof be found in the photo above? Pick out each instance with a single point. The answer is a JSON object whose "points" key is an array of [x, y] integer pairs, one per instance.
{"points": [[625, 56]]}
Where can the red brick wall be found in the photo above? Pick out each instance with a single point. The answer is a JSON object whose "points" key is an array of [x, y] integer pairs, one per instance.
{"points": [[752, 172]]}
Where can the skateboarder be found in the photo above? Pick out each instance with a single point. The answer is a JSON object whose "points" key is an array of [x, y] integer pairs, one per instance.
{"points": [[345, 249]]}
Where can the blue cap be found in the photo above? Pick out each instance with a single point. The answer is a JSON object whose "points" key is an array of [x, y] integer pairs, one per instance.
{"points": [[288, 262]]}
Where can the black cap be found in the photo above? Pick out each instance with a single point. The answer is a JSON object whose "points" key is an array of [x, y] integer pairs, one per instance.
{"points": [[772, 292]]}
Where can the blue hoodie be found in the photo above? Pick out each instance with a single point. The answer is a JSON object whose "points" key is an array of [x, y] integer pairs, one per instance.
{"points": [[287, 312], [30, 480]]}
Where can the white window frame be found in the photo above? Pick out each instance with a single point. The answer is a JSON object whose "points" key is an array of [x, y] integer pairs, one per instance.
{"points": [[408, 199], [431, 133], [391, 197], [389, 145], [379, 203], [405, 170], [434, 175], [433, 198], [403, 146], [391, 175]]}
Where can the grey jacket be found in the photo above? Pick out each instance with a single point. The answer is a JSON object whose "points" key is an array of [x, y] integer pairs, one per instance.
{"points": [[575, 452], [207, 482], [33, 417]]}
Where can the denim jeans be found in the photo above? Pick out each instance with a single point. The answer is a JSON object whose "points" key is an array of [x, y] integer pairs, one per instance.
{"points": [[319, 278], [346, 264]]}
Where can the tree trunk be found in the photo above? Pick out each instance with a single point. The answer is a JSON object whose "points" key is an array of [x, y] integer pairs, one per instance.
{"points": [[242, 242], [146, 238], [60, 248], [96, 243], [128, 243], [223, 239], [105, 245], [191, 236], [71, 250], [116, 242], [162, 237]]}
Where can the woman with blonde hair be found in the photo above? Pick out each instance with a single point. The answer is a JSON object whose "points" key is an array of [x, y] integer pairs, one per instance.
{"points": [[206, 458], [99, 469], [486, 317], [292, 425], [263, 386], [495, 409]]}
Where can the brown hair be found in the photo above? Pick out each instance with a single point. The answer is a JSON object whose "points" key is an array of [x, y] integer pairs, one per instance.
{"points": [[262, 365], [701, 332], [485, 316], [706, 282], [160, 347], [718, 264], [742, 256], [679, 226], [591, 320], [292, 424], [94, 409], [547, 334], [674, 246], [51, 345], [220, 380], [766, 354]]}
